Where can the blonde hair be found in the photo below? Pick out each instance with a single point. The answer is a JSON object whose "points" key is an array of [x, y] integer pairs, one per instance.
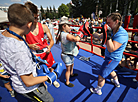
{"points": [[116, 16]]}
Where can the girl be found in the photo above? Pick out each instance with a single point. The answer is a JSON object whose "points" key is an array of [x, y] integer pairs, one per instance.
{"points": [[69, 47]]}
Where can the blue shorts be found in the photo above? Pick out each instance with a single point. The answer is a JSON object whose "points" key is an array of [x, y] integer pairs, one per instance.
{"points": [[107, 67], [5, 80], [67, 59]]}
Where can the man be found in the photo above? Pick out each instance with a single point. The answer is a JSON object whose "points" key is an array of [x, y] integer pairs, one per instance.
{"points": [[37, 41]]}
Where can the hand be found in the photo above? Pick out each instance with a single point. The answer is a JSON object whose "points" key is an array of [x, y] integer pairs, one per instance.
{"points": [[34, 46], [48, 49], [109, 31], [5, 76], [80, 34]]}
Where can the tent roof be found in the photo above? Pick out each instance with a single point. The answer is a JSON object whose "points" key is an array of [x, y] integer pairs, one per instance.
{"points": [[3, 17]]}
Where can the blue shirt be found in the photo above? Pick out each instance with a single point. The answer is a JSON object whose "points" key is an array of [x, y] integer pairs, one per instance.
{"points": [[121, 37]]}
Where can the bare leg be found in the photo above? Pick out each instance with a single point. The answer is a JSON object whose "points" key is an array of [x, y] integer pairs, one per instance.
{"points": [[101, 81], [67, 74], [8, 86], [71, 69], [114, 75]]}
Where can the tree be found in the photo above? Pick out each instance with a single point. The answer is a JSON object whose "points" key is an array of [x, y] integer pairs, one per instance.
{"points": [[63, 10], [42, 13]]}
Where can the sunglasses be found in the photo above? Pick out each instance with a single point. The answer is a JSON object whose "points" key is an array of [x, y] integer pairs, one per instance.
{"points": [[36, 17]]}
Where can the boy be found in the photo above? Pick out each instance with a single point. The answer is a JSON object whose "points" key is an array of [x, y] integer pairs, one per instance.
{"points": [[17, 58]]}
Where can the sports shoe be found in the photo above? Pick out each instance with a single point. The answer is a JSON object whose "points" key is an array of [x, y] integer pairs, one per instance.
{"points": [[56, 84], [70, 85], [74, 75], [117, 85], [12, 93], [93, 90], [135, 80]]}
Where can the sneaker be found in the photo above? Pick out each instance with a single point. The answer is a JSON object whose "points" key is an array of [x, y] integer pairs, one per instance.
{"points": [[56, 84], [12, 93], [117, 85], [74, 75], [70, 85], [93, 90], [135, 80]]}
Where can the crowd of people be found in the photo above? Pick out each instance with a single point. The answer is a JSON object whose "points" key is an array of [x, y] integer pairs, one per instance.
{"points": [[32, 39]]}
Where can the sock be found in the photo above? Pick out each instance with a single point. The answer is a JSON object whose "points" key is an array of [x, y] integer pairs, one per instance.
{"points": [[116, 81], [98, 88]]}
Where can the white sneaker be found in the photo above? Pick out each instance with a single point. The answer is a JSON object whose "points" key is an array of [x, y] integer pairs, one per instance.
{"points": [[117, 85], [56, 84], [93, 90], [135, 80], [12, 93]]}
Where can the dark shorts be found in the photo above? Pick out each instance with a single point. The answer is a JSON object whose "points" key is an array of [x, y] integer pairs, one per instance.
{"points": [[40, 95], [107, 67], [5, 80]]}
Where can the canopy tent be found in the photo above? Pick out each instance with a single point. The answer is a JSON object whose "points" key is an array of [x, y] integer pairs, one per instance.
{"points": [[3, 17]]}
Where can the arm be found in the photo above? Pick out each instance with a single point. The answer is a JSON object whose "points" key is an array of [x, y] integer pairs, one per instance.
{"points": [[73, 38], [112, 45], [47, 31], [32, 46], [4, 76], [30, 80]]}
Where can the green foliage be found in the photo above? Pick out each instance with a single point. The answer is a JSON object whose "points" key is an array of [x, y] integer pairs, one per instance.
{"points": [[87, 7], [63, 10]]}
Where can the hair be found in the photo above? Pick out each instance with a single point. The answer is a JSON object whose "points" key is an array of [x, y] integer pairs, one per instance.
{"points": [[60, 29], [32, 7], [19, 15], [116, 16]]}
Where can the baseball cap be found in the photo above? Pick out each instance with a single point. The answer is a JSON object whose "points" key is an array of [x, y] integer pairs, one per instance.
{"points": [[64, 20]]}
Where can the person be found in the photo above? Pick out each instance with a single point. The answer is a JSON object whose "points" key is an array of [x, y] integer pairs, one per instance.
{"points": [[69, 47], [5, 78], [17, 58], [50, 26], [132, 62], [117, 38], [37, 41]]}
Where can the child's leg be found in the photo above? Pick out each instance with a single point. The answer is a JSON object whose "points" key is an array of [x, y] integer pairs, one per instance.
{"points": [[67, 74], [8, 86], [71, 69]]}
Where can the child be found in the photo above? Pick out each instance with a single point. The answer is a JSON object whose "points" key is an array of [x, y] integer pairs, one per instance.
{"points": [[37, 41], [5, 78], [17, 58], [69, 47]]}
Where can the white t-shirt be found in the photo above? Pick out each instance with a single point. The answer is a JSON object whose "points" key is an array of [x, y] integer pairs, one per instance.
{"points": [[17, 61]]}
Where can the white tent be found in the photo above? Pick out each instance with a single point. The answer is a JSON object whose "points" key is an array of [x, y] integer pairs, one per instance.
{"points": [[3, 17]]}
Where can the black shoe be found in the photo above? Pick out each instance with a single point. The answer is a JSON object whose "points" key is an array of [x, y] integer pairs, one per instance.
{"points": [[73, 75], [70, 85]]}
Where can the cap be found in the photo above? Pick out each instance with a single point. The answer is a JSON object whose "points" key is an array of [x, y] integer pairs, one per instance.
{"points": [[47, 19], [64, 20]]}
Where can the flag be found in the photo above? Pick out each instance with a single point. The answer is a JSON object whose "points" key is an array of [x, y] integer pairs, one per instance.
{"points": [[71, 3]]}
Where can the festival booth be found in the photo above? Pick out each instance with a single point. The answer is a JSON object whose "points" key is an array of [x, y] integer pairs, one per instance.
{"points": [[4, 23]]}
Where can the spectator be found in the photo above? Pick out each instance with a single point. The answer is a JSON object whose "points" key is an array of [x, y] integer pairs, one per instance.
{"points": [[37, 40], [17, 58]]}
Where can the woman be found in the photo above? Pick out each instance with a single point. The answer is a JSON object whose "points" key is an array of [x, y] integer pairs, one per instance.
{"points": [[115, 45]]}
